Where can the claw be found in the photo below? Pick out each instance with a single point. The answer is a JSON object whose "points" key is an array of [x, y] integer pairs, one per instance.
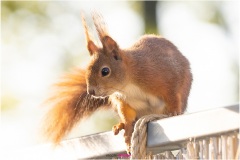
{"points": [[128, 150]]}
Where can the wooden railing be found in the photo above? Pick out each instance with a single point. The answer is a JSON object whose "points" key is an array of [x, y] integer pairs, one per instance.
{"points": [[164, 136]]}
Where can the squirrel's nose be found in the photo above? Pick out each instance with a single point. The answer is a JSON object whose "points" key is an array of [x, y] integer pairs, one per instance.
{"points": [[91, 92]]}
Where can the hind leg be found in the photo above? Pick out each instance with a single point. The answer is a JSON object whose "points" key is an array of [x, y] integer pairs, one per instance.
{"points": [[174, 105]]}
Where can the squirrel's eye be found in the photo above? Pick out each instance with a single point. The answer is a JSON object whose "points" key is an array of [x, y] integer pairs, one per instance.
{"points": [[105, 71]]}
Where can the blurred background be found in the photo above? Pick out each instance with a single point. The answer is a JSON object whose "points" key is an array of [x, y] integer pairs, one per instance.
{"points": [[42, 40]]}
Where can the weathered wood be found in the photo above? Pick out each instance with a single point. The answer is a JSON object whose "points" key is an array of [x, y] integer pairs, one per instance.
{"points": [[163, 135], [172, 131]]}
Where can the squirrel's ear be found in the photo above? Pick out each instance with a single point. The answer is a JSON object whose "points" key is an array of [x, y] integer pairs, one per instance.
{"points": [[111, 47], [92, 48]]}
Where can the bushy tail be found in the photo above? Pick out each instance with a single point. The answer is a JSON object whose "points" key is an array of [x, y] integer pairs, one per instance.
{"points": [[69, 104]]}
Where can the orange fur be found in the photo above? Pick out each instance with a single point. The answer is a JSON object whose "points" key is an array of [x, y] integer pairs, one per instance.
{"points": [[69, 103], [128, 116]]}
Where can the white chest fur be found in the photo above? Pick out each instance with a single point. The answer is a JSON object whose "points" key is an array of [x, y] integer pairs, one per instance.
{"points": [[142, 102]]}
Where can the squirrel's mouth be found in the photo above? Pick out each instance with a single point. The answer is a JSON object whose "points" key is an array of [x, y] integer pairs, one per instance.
{"points": [[99, 97], [98, 93]]}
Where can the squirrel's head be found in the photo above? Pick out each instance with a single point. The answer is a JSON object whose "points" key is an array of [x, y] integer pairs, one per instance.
{"points": [[105, 73]]}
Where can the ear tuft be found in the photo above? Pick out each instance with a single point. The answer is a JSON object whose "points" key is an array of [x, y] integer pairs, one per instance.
{"points": [[100, 25], [110, 47], [92, 48]]}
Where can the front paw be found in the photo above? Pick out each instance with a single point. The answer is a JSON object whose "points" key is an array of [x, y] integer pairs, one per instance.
{"points": [[117, 128]]}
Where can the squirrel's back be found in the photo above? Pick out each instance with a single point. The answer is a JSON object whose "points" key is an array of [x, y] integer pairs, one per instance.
{"points": [[153, 45], [158, 56], [159, 68]]}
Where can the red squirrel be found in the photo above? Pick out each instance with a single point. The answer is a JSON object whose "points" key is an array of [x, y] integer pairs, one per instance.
{"points": [[150, 77]]}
